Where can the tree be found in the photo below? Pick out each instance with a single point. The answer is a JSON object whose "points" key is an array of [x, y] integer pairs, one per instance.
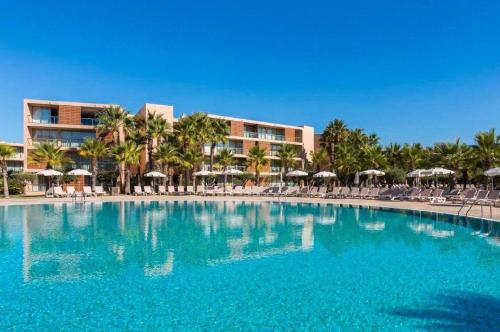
{"points": [[93, 149], [287, 154], [319, 159], [188, 160], [393, 153], [52, 155], [153, 127], [112, 120], [486, 149], [6, 152], [225, 159], [127, 154], [347, 162], [413, 156], [167, 155], [257, 158], [335, 133], [373, 157], [218, 132]]}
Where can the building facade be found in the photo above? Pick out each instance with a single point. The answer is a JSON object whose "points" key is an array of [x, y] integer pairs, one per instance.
{"points": [[16, 162], [68, 124]]}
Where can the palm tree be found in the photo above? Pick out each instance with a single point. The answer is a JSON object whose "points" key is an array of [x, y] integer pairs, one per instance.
{"points": [[218, 132], [373, 156], [167, 154], [225, 159], [153, 127], [486, 149], [335, 133], [413, 156], [127, 154], [50, 154], [393, 153], [6, 152], [188, 160], [112, 120], [93, 149], [320, 159], [287, 154], [347, 162], [257, 158]]}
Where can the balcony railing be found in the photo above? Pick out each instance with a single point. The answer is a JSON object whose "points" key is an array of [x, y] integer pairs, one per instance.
{"points": [[89, 121], [271, 137], [50, 120], [242, 168], [65, 143], [275, 169], [251, 134], [298, 139]]}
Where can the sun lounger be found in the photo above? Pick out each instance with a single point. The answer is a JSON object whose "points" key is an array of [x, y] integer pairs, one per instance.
{"points": [[344, 192], [219, 191], [363, 193], [238, 191], [354, 192], [70, 190], [465, 195], [313, 191], [180, 190], [99, 191], [321, 192], [171, 190], [373, 193], [259, 190], [161, 190], [200, 190], [333, 193], [292, 191], [138, 191], [148, 190], [304, 191], [492, 199], [58, 192], [87, 192], [190, 190]]}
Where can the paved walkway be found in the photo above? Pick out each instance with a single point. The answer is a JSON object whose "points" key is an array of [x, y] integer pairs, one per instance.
{"points": [[419, 206]]}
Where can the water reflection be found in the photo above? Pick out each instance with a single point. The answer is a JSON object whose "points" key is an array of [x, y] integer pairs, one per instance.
{"points": [[67, 242]]}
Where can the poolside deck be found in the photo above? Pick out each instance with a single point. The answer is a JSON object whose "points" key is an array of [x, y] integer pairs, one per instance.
{"points": [[409, 205]]}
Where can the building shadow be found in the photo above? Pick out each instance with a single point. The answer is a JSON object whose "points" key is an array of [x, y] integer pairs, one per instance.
{"points": [[457, 311]]}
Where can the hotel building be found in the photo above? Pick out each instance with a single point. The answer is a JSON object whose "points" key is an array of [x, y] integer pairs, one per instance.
{"points": [[68, 124]]}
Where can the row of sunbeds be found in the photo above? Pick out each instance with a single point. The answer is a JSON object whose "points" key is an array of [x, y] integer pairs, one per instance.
{"points": [[71, 192]]}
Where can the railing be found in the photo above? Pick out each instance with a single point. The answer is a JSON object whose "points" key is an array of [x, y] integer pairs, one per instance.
{"points": [[251, 134], [65, 143], [18, 155], [242, 168], [271, 137], [273, 153], [275, 169], [218, 149], [50, 120], [89, 121], [15, 168], [39, 187], [298, 139]]}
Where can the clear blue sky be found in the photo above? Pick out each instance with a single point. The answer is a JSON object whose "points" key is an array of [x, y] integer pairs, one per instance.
{"points": [[407, 70]]}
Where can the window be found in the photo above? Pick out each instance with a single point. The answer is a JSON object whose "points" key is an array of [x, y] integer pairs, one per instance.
{"points": [[44, 115]]}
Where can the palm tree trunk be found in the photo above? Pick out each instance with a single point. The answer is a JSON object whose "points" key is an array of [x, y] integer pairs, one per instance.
{"points": [[212, 153], [122, 177], [127, 181], [170, 176], [150, 155], [332, 153], [164, 168], [186, 175], [94, 173], [257, 178], [225, 178], [5, 181]]}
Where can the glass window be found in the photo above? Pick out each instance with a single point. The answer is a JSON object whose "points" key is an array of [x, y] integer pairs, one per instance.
{"points": [[44, 115]]}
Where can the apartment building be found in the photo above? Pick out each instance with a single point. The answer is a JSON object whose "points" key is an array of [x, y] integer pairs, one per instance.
{"points": [[245, 134], [16, 162], [68, 124]]}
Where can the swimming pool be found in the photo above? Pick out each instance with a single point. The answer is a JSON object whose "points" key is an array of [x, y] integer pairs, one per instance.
{"points": [[244, 265]]}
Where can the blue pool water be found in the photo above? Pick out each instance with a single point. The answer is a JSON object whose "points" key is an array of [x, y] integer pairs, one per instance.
{"points": [[248, 266]]}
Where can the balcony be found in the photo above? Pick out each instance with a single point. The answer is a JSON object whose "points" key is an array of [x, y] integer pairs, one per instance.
{"points": [[275, 169], [250, 134], [89, 121], [242, 168], [65, 143], [48, 120], [270, 137]]}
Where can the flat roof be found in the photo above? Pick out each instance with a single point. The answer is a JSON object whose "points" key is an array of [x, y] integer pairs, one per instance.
{"points": [[65, 103]]}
